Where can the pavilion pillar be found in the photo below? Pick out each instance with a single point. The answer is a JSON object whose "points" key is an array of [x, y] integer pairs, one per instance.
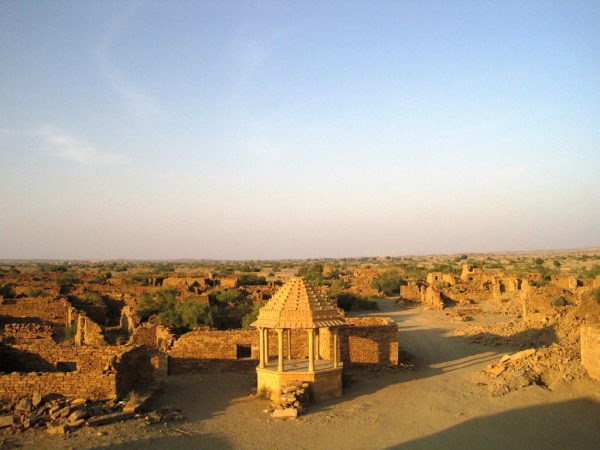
{"points": [[261, 347], [317, 344], [280, 350], [266, 348], [311, 350], [289, 344], [335, 348]]}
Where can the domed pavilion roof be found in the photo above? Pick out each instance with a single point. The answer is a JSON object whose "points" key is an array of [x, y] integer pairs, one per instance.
{"points": [[297, 304]]}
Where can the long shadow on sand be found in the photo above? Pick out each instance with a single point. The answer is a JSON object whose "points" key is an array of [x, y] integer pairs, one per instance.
{"points": [[538, 427], [433, 352]]}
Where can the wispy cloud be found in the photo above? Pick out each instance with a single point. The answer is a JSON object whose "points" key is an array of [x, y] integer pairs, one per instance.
{"points": [[71, 148], [138, 100], [249, 55]]}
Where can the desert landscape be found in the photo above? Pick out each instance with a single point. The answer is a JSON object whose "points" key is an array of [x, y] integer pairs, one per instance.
{"points": [[159, 355], [258, 224]]}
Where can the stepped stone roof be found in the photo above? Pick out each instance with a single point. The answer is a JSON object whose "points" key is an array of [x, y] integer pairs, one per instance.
{"points": [[297, 304]]}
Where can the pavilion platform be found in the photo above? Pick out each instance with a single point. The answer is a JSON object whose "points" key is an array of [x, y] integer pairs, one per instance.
{"points": [[325, 381]]}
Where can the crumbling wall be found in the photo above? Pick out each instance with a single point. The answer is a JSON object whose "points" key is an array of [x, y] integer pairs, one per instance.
{"points": [[130, 319], [411, 292], [440, 277], [431, 298], [470, 273], [361, 282], [70, 384], [368, 341], [41, 310], [536, 299], [372, 341], [133, 368], [590, 350], [152, 336], [213, 350], [88, 372], [88, 332], [566, 282]]}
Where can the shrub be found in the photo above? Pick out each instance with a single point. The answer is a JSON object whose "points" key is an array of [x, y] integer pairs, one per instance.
{"points": [[445, 268], [252, 315], [313, 274], [66, 281], [71, 331], [251, 280], [539, 282], [440, 285], [596, 295], [349, 302], [182, 315], [7, 291], [412, 270], [93, 298], [33, 292], [263, 393], [560, 301], [538, 261], [389, 282]]}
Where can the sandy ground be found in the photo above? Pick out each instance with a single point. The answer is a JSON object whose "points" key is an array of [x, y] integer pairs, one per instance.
{"points": [[438, 405]]}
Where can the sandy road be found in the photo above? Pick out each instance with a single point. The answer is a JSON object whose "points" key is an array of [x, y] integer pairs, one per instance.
{"points": [[435, 406]]}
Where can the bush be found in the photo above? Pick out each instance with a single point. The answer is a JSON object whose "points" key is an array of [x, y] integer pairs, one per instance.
{"points": [[93, 298], [71, 331], [252, 315], [539, 282], [7, 291], [560, 302], [251, 280], [350, 302], [596, 295], [33, 292], [53, 267], [313, 274], [440, 285], [414, 271], [445, 268], [67, 281], [263, 393], [182, 315], [389, 282]]}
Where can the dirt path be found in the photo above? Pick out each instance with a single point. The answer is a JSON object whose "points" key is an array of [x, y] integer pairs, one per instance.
{"points": [[436, 406]]}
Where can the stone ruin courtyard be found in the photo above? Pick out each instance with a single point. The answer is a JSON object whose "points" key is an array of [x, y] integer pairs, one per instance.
{"points": [[472, 359]]}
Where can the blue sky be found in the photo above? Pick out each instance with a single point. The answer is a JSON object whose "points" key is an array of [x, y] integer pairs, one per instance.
{"points": [[297, 129]]}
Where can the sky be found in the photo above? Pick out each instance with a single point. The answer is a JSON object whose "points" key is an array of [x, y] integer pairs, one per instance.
{"points": [[265, 130]]}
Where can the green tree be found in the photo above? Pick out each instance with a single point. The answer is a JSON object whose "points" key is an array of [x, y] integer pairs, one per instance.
{"points": [[252, 315], [7, 291], [251, 280], [389, 282]]}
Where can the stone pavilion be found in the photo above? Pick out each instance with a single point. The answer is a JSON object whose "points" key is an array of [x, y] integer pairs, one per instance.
{"points": [[299, 306]]}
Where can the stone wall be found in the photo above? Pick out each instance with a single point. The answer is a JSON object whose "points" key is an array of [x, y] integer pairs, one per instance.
{"points": [[41, 310], [89, 372], [369, 341], [590, 350], [364, 341], [70, 384], [411, 292], [152, 336], [431, 298]]}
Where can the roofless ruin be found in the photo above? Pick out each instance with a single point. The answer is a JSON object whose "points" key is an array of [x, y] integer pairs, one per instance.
{"points": [[298, 305]]}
